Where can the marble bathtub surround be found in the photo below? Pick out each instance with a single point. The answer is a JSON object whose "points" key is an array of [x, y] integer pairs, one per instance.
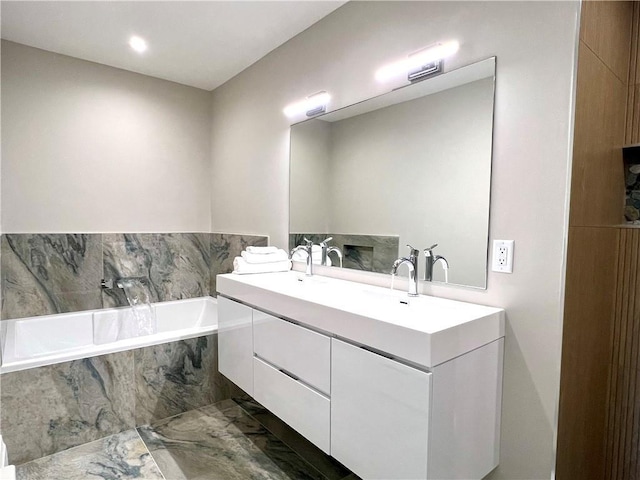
{"points": [[45, 274], [120, 456], [42, 274], [373, 253], [178, 376], [49, 409], [225, 247], [176, 264], [221, 442]]}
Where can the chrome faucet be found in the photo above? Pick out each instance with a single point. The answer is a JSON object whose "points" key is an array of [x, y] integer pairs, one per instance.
{"points": [[326, 250], [412, 263], [431, 260], [308, 248]]}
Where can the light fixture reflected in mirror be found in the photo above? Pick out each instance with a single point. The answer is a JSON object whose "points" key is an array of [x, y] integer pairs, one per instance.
{"points": [[418, 65], [311, 106]]}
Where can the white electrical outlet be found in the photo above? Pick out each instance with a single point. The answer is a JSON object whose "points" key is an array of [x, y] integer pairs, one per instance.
{"points": [[502, 256]]}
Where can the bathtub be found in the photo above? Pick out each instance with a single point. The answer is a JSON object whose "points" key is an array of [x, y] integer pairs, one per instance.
{"points": [[47, 340]]}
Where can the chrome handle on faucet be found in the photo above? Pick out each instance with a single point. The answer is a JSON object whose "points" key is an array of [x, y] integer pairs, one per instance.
{"points": [[428, 252], [412, 251], [326, 241]]}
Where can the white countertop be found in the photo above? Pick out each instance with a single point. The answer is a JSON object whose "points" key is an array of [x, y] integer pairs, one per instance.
{"points": [[426, 331]]}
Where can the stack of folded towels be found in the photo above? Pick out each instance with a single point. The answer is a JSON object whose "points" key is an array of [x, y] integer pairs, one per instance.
{"points": [[262, 260]]}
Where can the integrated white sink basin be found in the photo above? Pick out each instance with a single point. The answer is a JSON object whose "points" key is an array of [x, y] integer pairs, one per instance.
{"points": [[423, 330]]}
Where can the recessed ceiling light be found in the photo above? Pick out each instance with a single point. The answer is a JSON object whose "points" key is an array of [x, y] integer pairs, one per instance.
{"points": [[138, 44]]}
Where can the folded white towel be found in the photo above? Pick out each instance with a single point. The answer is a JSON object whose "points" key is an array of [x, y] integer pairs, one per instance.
{"points": [[8, 473], [240, 266], [262, 250], [278, 256]]}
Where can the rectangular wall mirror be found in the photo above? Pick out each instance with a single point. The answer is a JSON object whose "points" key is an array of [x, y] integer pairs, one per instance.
{"points": [[412, 166]]}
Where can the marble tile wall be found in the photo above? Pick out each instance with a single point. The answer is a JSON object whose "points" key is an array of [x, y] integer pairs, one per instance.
{"points": [[178, 376], [373, 253], [176, 264], [45, 274], [50, 409], [225, 247], [42, 274]]}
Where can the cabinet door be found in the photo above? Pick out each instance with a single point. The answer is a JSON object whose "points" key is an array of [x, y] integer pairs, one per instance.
{"points": [[235, 343], [379, 414]]}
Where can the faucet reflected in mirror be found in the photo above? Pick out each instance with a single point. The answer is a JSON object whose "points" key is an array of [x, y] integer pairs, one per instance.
{"points": [[321, 250], [326, 250], [308, 249], [430, 260]]}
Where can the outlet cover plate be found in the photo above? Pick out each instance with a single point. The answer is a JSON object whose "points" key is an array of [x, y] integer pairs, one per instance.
{"points": [[502, 260]]}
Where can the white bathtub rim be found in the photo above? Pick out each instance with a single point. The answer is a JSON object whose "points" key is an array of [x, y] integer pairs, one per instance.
{"points": [[114, 347]]}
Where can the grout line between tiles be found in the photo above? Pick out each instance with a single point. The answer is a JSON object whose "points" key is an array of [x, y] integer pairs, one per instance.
{"points": [[150, 454]]}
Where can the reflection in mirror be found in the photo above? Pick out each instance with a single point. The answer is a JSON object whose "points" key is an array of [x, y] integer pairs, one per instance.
{"points": [[409, 167]]}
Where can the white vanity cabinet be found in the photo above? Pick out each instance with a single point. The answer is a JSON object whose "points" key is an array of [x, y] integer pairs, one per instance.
{"points": [[379, 414], [235, 343], [392, 389]]}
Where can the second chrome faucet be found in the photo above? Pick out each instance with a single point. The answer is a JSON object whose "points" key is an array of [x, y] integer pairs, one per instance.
{"points": [[412, 263]]}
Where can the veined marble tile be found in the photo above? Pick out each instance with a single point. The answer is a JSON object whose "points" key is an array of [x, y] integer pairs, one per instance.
{"points": [[221, 442], [327, 466], [121, 456], [176, 264], [49, 409], [50, 273], [179, 376], [225, 247]]}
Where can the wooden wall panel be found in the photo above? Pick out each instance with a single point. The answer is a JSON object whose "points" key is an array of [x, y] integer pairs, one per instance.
{"points": [[586, 350], [600, 30], [632, 135], [597, 183], [623, 423], [597, 395]]}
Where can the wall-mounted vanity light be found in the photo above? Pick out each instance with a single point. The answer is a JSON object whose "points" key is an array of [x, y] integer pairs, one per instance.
{"points": [[424, 62], [312, 105]]}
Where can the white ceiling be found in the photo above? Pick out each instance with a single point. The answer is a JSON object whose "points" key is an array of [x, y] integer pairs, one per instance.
{"points": [[197, 43]]}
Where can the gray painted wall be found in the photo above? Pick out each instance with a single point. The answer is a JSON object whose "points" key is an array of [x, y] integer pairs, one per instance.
{"points": [[100, 149], [535, 45]]}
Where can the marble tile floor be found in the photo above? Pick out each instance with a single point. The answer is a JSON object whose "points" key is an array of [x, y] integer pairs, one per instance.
{"points": [[230, 440]]}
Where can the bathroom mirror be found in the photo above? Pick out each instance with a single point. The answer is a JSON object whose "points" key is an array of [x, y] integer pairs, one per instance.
{"points": [[412, 166]]}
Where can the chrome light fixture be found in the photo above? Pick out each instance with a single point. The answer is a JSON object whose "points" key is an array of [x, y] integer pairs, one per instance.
{"points": [[421, 64], [311, 106]]}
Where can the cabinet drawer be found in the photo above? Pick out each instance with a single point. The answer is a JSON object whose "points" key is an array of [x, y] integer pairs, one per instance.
{"points": [[304, 409], [298, 350]]}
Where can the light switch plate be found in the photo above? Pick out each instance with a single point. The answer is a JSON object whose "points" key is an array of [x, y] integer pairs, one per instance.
{"points": [[502, 256]]}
